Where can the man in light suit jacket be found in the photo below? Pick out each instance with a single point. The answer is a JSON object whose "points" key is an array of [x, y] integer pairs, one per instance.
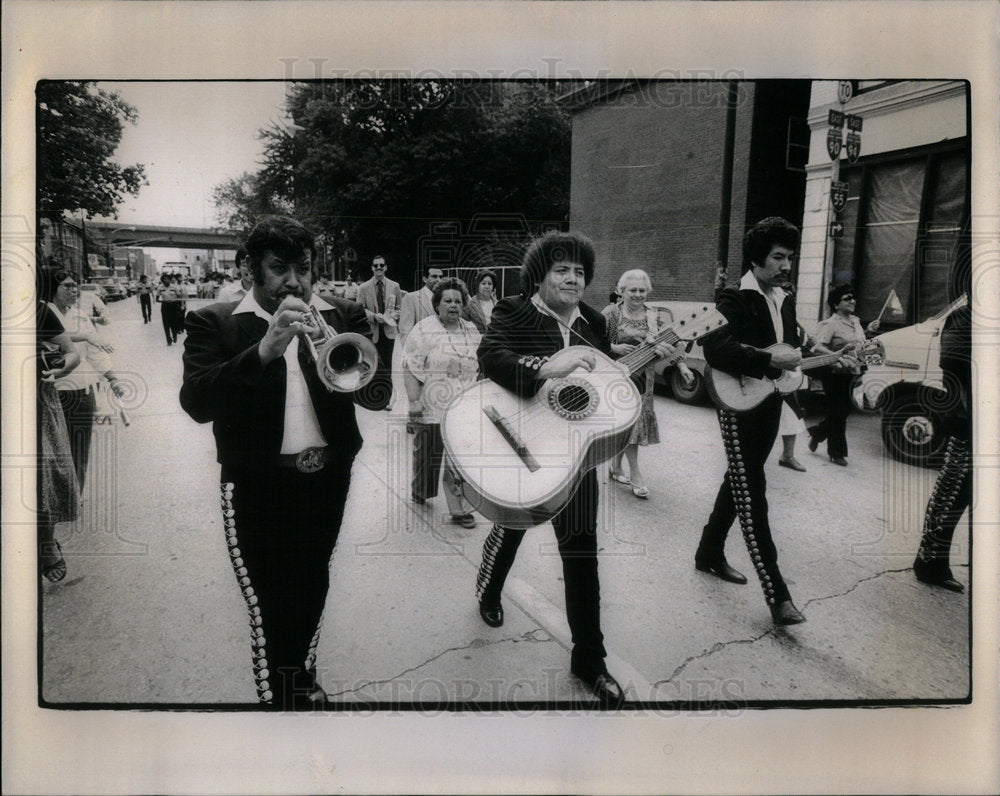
{"points": [[381, 299], [417, 305], [286, 445]]}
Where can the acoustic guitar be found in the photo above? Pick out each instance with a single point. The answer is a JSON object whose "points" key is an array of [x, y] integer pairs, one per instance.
{"points": [[520, 459], [742, 393]]}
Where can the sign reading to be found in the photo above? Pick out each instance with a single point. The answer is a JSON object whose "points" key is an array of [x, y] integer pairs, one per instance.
{"points": [[853, 147], [836, 229], [845, 90], [838, 195], [834, 143]]}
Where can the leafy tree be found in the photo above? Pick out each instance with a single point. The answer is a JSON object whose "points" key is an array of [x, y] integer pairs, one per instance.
{"points": [[378, 162], [79, 128], [240, 201]]}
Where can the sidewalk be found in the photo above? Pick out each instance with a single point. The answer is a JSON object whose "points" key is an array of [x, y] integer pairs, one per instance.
{"points": [[149, 612]]}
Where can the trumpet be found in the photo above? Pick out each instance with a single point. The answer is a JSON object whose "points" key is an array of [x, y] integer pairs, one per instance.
{"points": [[344, 362]]}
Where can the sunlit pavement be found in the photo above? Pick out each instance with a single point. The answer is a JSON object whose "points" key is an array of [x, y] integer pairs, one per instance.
{"points": [[150, 613]]}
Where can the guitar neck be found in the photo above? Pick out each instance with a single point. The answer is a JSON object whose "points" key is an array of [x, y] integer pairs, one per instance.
{"points": [[821, 361], [644, 354]]}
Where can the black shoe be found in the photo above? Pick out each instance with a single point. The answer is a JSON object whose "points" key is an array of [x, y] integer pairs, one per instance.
{"points": [[492, 613], [839, 460], [721, 570], [605, 687], [813, 443], [942, 578], [784, 613], [417, 499]]}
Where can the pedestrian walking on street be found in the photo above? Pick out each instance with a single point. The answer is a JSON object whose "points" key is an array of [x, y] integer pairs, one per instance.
{"points": [[479, 310], [58, 491], [952, 492], [630, 323], [381, 297], [840, 333], [169, 300], [235, 291], [524, 333], [760, 313], [439, 361], [78, 389], [145, 292], [286, 444], [418, 305]]}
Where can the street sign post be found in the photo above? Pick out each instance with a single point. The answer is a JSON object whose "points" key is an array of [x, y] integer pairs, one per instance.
{"points": [[834, 143], [838, 195], [853, 147]]}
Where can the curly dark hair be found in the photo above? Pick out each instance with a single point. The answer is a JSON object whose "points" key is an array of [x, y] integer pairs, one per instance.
{"points": [[284, 237], [837, 292], [448, 283], [552, 248], [764, 236]]}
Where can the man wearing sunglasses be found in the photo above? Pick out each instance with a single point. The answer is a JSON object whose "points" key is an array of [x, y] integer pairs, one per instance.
{"points": [[381, 298]]}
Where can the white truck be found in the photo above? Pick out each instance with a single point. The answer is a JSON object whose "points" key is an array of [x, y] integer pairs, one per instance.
{"points": [[908, 390]]}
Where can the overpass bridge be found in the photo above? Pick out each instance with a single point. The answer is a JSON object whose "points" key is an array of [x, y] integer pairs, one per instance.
{"points": [[113, 233]]}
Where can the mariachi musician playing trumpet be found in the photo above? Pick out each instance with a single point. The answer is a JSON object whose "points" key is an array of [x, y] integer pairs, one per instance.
{"points": [[282, 409], [517, 352]]}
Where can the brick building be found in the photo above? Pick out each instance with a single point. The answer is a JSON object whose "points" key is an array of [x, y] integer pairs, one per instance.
{"points": [[665, 176]]}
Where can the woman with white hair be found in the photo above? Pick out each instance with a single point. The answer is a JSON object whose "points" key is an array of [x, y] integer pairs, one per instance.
{"points": [[630, 323]]}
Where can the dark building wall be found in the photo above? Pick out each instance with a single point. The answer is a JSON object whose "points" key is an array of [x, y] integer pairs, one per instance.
{"points": [[647, 184]]}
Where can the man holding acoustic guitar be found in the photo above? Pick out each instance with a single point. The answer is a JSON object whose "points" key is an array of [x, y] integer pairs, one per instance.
{"points": [[760, 314], [521, 352]]}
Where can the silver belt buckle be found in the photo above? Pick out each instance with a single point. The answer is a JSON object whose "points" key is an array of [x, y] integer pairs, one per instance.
{"points": [[310, 460]]}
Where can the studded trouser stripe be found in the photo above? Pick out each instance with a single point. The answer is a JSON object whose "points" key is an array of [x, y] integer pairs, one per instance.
{"points": [[747, 494], [949, 499], [258, 643], [486, 569]]}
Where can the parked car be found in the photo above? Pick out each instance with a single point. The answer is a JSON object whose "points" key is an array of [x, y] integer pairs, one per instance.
{"points": [[88, 289], [908, 390], [113, 290]]}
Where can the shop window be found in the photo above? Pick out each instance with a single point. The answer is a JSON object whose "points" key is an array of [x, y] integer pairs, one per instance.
{"points": [[902, 223]]}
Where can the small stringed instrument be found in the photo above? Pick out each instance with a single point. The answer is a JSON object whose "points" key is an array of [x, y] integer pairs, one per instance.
{"points": [[520, 459], [742, 393]]}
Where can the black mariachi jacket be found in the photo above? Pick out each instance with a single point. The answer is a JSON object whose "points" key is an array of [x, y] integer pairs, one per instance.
{"points": [[225, 382], [733, 349], [520, 339]]}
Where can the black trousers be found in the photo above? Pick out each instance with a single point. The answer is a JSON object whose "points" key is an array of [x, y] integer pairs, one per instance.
{"points": [[384, 347], [169, 310], [576, 535], [281, 527], [833, 427], [79, 408], [748, 438], [950, 497], [146, 303]]}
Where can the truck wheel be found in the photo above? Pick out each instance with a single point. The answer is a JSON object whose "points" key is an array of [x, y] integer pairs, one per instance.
{"points": [[695, 394], [911, 431]]}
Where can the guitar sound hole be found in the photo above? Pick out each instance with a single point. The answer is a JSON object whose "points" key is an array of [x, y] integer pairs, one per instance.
{"points": [[573, 399]]}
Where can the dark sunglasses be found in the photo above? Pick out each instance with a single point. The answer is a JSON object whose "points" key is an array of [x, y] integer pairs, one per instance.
{"points": [[848, 297]]}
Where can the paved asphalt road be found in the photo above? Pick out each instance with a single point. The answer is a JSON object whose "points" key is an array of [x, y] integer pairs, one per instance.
{"points": [[149, 612]]}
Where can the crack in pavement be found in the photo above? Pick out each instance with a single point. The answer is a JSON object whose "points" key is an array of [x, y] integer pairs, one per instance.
{"points": [[721, 645], [531, 636], [717, 647]]}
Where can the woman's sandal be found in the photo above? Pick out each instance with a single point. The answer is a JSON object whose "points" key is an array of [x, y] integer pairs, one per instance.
{"points": [[617, 477], [640, 491], [55, 571]]}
